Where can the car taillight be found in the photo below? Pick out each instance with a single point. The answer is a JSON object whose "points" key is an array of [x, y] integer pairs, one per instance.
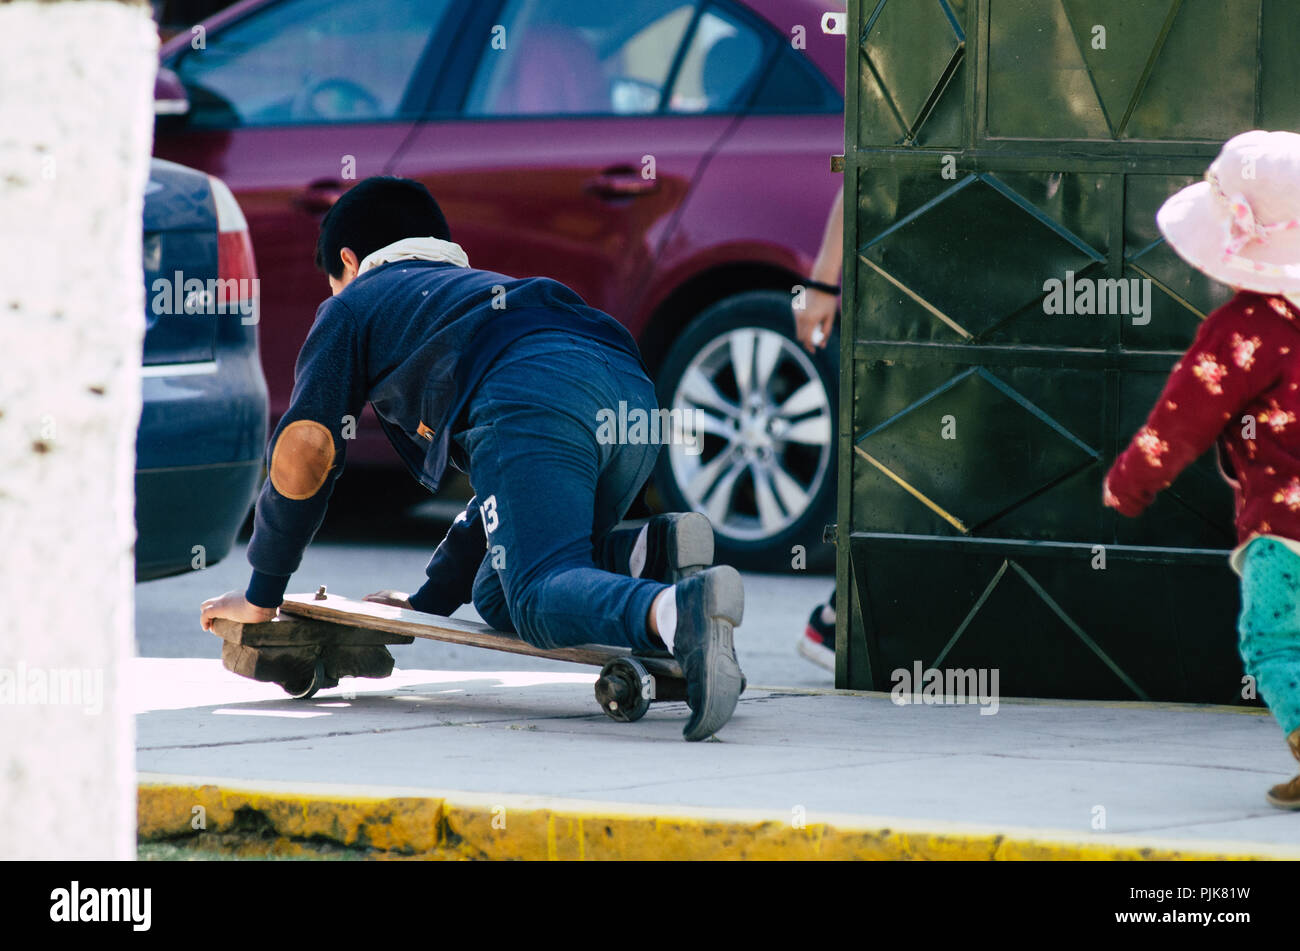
{"points": [[235, 262]]}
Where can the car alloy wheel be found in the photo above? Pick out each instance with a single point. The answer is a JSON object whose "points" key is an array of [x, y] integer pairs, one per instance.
{"points": [[763, 418]]}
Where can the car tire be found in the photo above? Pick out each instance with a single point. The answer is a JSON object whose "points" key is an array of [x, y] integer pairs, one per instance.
{"points": [[761, 464]]}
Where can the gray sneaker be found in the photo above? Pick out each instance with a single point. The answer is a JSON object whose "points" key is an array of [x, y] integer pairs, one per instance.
{"points": [[678, 545], [710, 605]]}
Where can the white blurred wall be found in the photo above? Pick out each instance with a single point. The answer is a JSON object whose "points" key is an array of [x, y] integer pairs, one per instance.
{"points": [[76, 121]]}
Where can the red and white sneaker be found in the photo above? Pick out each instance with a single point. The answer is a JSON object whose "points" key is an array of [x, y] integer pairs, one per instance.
{"points": [[818, 641]]}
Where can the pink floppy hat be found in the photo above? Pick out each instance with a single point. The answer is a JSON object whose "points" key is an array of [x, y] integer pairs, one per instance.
{"points": [[1241, 226]]}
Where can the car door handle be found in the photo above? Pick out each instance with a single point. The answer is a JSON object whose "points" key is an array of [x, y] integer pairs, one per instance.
{"points": [[621, 182], [318, 197]]}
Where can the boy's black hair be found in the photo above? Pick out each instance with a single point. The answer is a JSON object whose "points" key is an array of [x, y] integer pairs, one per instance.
{"points": [[376, 212]]}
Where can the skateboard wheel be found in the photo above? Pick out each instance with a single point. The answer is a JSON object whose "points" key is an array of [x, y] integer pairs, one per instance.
{"points": [[624, 690], [306, 692]]}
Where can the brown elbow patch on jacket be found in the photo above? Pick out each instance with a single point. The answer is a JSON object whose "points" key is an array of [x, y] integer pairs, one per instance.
{"points": [[302, 458]]}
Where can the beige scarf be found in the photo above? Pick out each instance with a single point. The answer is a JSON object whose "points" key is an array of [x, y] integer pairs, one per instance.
{"points": [[415, 249]]}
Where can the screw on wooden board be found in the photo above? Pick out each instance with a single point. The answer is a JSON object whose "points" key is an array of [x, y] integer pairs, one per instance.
{"points": [[320, 593]]}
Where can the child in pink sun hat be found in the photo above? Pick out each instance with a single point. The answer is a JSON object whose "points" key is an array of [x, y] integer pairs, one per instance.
{"points": [[1239, 385]]}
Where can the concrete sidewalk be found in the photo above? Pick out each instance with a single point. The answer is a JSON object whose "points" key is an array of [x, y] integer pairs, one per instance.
{"points": [[521, 764]]}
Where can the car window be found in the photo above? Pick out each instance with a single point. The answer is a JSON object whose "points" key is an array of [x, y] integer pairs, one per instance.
{"points": [[579, 57], [721, 64], [791, 84], [309, 61]]}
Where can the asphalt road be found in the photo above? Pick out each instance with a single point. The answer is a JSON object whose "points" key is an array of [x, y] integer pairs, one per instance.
{"points": [[363, 547]]}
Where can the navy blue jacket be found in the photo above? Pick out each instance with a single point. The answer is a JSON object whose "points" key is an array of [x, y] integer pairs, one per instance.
{"points": [[413, 338]]}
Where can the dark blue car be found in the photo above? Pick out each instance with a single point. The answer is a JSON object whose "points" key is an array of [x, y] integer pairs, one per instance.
{"points": [[203, 423]]}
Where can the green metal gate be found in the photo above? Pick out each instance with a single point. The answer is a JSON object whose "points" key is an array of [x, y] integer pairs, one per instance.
{"points": [[992, 146]]}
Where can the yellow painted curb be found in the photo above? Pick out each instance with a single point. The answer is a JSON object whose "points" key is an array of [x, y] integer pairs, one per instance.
{"points": [[251, 819]]}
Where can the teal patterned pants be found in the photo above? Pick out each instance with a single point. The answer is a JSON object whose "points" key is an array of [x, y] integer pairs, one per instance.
{"points": [[1270, 627]]}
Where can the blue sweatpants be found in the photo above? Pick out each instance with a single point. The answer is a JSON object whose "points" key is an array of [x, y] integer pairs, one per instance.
{"points": [[550, 491]]}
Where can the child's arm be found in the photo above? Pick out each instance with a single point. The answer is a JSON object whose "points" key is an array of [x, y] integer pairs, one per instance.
{"points": [[454, 564], [1235, 356], [307, 451]]}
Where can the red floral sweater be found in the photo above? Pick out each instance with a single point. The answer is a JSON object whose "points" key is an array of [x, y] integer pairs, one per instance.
{"points": [[1239, 382]]}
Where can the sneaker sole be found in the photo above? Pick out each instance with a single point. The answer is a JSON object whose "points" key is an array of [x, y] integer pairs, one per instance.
{"points": [[723, 609], [823, 657], [690, 546], [1289, 804]]}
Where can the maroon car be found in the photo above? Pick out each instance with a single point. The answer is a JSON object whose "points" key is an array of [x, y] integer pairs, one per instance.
{"points": [[667, 159]]}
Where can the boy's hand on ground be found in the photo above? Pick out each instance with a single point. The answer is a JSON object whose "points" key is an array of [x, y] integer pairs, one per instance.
{"points": [[235, 606], [398, 599]]}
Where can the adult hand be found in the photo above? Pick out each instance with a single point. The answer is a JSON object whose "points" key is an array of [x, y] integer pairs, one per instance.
{"points": [[813, 324]]}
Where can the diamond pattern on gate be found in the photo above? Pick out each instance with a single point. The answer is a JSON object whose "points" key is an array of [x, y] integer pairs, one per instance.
{"points": [[975, 254], [1133, 36], [1063, 637], [974, 449], [904, 87]]}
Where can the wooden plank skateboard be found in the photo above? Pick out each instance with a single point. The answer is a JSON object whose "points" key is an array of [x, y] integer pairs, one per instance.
{"points": [[321, 637]]}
